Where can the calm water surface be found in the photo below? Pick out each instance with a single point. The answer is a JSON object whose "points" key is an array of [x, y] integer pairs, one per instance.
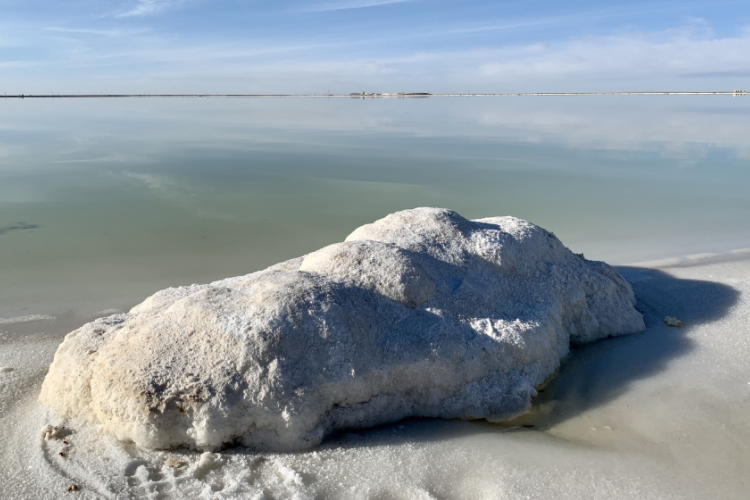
{"points": [[103, 202]]}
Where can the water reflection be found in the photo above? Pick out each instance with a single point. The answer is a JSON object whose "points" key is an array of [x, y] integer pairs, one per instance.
{"points": [[129, 196]]}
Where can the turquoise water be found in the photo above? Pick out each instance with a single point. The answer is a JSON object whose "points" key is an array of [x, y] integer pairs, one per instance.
{"points": [[103, 202]]}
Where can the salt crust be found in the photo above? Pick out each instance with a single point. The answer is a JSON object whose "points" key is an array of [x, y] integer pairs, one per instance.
{"points": [[422, 313], [26, 319]]}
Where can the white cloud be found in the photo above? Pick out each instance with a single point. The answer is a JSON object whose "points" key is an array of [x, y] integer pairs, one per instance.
{"points": [[679, 60], [688, 58], [672, 54], [19, 64], [355, 4], [148, 7], [103, 32], [629, 61]]}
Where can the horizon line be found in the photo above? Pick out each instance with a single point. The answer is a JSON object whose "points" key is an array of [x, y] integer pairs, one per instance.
{"points": [[370, 95]]}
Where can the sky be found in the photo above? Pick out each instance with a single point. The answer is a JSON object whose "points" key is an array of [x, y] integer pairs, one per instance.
{"points": [[342, 46]]}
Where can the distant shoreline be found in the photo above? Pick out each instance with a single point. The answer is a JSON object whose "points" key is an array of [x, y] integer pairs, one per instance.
{"points": [[364, 95]]}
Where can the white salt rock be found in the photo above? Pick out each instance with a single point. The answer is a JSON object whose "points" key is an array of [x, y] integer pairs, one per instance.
{"points": [[208, 460], [51, 432], [174, 463], [672, 321], [206, 463], [420, 314], [288, 475]]}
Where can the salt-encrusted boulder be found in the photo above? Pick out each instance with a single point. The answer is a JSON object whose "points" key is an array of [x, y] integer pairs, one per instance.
{"points": [[422, 313]]}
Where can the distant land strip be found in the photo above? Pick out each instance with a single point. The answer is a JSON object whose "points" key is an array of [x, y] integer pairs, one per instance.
{"points": [[363, 95]]}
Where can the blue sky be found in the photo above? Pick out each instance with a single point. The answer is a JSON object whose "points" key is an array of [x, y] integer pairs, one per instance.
{"points": [[373, 45]]}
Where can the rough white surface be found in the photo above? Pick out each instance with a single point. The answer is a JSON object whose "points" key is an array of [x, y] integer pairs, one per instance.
{"points": [[422, 313]]}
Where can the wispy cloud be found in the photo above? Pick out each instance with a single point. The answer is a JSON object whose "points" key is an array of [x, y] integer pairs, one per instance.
{"points": [[356, 4], [679, 54], [149, 7], [103, 32], [19, 64], [108, 57], [208, 52]]}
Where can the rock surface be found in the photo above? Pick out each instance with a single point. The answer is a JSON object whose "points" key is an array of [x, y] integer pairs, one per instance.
{"points": [[422, 313]]}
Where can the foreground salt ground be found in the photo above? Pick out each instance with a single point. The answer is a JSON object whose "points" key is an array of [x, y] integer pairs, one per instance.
{"points": [[422, 313], [662, 414]]}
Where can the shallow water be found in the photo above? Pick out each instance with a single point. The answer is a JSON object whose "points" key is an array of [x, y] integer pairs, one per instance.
{"points": [[104, 202]]}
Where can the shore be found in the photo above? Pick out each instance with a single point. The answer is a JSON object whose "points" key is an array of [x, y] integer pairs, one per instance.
{"points": [[661, 414]]}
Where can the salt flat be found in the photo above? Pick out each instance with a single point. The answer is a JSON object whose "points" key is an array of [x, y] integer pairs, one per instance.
{"points": [[132, 197], [661, 414]]}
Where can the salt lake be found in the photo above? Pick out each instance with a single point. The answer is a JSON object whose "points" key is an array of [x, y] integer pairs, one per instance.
{"points": [[105, 201]]}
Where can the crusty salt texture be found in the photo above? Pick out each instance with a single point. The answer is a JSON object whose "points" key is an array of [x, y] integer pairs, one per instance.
{"points": [[422, 313]]}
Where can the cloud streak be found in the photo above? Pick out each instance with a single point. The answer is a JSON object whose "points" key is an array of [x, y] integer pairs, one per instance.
{"points": [[356, 4], [97, 32], [103, 58], [149, 7], [623, 57]]}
